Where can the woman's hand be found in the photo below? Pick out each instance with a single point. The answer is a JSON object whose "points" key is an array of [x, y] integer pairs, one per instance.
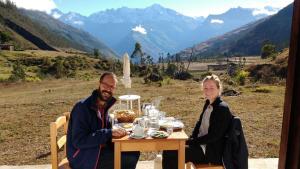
{"points": [[190, 141]]}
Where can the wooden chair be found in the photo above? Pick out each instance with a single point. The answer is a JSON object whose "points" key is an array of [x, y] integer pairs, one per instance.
{"points": [[58, 143], [190, 165]]}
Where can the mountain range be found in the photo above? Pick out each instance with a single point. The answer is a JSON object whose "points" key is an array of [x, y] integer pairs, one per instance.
{"points": [[157, 29], [28, 29], [248, 39]]}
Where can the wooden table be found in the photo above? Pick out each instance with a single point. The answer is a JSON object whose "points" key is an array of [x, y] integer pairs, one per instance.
{"points": [[176, 141]]}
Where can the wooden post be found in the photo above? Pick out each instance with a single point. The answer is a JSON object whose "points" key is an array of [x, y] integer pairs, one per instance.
{"points": [[289, 155]]}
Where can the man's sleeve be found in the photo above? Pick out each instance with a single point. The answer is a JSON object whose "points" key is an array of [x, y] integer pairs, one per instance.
{"points": [[82, 135]]}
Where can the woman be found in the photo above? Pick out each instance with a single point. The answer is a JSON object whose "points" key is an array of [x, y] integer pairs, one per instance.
{"points": [[205, 145]]}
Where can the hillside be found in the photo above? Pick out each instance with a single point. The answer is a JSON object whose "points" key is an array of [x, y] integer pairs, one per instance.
{"points": [[36, 30], [39, 65], [249, 39], [271, 71]]}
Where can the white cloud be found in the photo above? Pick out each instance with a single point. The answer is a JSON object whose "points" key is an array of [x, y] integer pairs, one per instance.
{"points": [[264, 11], [217, 21], [140, 29], [56, 15], [78, 23], [205, 8], [41, 5]]}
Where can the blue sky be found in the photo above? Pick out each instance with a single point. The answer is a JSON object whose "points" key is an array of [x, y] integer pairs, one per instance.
{"points": [[186, 7]]}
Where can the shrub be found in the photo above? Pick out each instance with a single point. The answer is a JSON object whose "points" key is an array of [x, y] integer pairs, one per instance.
{"points": [[59, 69], [233, 69], [165, 81], [268, 50], [2, 79], [262, 90], [267, 73], [241, 77], [228, 80], [171, 69], [32, 79], [153, 77], [182, 75], [86, 77], [17, 73]]}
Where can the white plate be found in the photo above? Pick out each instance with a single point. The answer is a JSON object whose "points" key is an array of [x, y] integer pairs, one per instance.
{"points": [[126, 126], [159, 134], [136, 137], [176, 124]]}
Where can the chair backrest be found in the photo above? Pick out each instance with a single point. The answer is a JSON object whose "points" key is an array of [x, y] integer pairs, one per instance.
{"points": [[190, 165], [58, 143]]}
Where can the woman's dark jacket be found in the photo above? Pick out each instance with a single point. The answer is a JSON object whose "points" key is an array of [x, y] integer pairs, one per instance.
{"points": [[219, 123], [86, 134]]}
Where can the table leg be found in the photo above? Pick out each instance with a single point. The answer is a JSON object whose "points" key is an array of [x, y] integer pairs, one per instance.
{"points": [[181, 154], [139, 104], [127, 104], [117, 156], [131, 104]]}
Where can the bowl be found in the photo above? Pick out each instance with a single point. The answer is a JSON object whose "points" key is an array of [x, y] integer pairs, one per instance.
{"points": [[124, 116]]}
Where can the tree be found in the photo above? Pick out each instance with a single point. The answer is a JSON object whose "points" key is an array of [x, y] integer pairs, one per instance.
{"points": [[168, 57], [163, 62], [268, 50], [138, 52], [4, 37], [171, 69], [96, 53], [177, 59], [149, 60], [190, 59]]}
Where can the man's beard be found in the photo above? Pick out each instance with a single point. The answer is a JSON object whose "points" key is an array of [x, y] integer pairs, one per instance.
{"points": [[105, 95]]}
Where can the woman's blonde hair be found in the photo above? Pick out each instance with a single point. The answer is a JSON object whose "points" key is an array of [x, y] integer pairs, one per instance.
{"points": [[217, 81]]}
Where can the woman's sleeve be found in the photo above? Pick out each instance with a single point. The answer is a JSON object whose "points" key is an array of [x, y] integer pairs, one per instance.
{"points": [[196, 129], [218, 126]]}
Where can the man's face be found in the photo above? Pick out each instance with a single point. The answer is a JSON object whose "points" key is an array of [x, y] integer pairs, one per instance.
{"points": [[107, 87]]}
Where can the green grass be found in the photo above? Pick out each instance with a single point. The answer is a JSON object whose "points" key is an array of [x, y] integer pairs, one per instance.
{"points": [[28, 108]]}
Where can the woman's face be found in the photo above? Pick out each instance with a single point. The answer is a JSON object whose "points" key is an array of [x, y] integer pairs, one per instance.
{"points": [[210, 90]]}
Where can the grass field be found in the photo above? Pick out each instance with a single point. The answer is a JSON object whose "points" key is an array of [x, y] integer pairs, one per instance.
{"points": [[26, 110]]}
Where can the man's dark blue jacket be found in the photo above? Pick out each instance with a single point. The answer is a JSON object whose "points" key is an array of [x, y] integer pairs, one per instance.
{"points": [[85, 133]]}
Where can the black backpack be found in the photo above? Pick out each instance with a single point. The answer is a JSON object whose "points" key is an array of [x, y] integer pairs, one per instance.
{"points": [[235, 154]]}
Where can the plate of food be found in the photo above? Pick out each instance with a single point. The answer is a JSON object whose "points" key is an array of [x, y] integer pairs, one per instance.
{"points": [[175, 123], [134, 136], [159, 134], [126, 126]]}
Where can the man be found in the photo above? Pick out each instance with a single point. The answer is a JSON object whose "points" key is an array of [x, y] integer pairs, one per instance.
{"points": [[90, 132]]}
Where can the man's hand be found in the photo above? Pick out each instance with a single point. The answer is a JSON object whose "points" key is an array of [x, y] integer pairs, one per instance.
{"points": [[118, 132]]}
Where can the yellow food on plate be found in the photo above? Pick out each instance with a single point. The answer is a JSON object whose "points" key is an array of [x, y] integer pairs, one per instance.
{"points": [[127, 125]]}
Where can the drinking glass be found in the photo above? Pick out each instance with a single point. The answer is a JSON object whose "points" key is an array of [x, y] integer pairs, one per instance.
{"points": [[153, 124], [169, 128]]}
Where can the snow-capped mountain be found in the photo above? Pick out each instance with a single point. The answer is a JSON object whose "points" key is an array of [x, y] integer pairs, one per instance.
{"points": [[158, 29]]}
